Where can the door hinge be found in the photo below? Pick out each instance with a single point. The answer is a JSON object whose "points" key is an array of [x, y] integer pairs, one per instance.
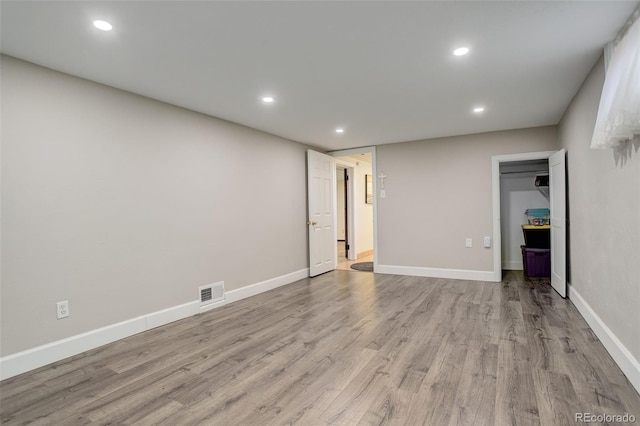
{"points": [[347, 247]]}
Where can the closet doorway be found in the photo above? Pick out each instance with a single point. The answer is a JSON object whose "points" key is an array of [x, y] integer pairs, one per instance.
{"points": [[557, 207], [519, 193]]}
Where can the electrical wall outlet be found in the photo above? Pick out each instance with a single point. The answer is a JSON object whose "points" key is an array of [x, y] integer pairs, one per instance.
{"points": [[62, 309], [487, 242]]}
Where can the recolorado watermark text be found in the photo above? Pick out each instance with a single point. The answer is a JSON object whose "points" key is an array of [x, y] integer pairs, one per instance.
{"points": [[605, 418]]}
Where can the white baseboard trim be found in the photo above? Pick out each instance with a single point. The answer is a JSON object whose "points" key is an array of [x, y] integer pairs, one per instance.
{"points": [[175, 313], [261, 287], [33, 358], [620, 354], [457, 274], [513, 265], [30, 359], [364, 254]]}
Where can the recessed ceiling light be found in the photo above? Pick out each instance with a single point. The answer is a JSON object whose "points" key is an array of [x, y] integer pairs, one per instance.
{"points": [[268, 99], [461, 51], [478, 109], [102, 25], [339, 130]]}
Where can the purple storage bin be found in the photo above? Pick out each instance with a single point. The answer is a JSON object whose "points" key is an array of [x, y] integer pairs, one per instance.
{"points": [[537, 262]]}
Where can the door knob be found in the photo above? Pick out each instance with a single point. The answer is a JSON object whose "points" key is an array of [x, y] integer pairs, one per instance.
{"points": [[312, 222]]}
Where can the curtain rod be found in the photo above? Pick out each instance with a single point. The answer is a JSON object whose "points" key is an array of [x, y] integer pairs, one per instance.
{"points": [[626, 26], [608, 48]]}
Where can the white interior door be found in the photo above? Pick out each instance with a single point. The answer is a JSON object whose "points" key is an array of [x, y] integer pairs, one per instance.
{"points": [[321, 178], [557, 194]]}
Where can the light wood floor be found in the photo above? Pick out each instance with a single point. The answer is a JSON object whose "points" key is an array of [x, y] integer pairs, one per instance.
{"points": [[344, 348], [344, 263]]}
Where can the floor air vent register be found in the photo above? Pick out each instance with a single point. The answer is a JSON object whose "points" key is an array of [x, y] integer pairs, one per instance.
{"points": [[211, 293]]}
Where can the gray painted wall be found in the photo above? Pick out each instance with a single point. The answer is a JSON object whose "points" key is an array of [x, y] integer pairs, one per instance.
{"points": [[124, 206], [604, 217], [438, 192]]}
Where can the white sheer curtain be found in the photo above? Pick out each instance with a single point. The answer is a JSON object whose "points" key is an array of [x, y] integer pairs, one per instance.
{"points": [[619, 111]]}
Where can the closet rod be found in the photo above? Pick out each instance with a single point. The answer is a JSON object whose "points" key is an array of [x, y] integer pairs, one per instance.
{"points": [[544, 172]]}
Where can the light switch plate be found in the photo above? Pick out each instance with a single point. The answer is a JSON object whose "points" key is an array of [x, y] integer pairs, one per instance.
{"points": [[468, 243]]}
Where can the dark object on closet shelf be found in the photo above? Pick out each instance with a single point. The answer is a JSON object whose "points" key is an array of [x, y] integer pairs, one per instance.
{"points": [[537, 236], [542, 180]]}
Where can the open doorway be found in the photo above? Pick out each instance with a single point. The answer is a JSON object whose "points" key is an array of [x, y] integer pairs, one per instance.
{"points": [[355, 210], [524, 186], [344, 220], [523, 164]]}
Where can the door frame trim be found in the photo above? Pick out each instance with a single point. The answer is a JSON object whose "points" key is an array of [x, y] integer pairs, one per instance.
{"points": [[496, 160]]}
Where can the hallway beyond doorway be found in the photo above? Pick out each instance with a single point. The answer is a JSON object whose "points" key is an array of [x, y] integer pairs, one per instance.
{"points": [[345, 264]]}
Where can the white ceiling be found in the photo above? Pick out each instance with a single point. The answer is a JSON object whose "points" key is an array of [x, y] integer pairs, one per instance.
{"points": [[383, 70]]}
